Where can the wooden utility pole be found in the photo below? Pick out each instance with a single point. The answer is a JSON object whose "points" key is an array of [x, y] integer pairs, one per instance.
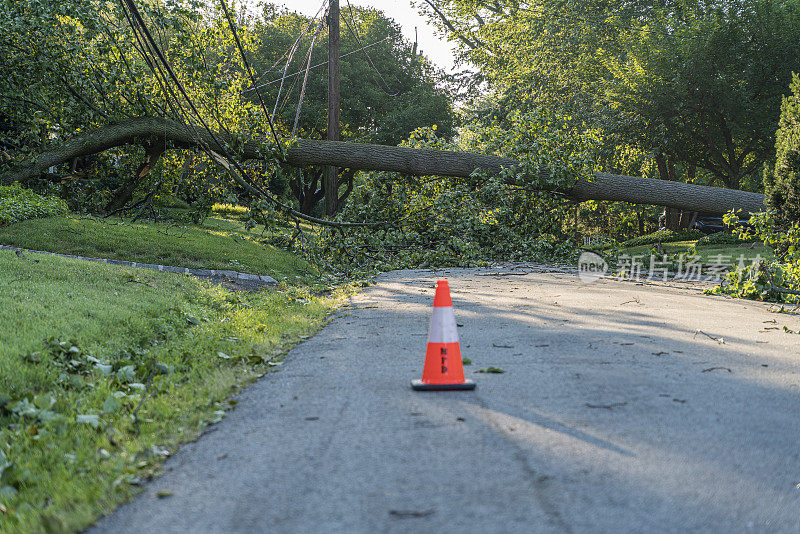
{"points": [[331, 182]]}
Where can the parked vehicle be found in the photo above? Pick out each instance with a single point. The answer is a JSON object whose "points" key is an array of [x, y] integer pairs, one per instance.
{"points": [[711, 224], [708, 224]]}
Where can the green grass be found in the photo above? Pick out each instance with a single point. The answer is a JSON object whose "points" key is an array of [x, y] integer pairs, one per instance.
{"points": [[220, 244], [231, 209], [662, 236], [710, 253], [148, 360]]}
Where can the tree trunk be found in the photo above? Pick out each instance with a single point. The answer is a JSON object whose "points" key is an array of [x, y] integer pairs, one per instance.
{"points": [[640, 221], [666, 171], [420, 162], [462, 164], [124, 193], [688, 217]]}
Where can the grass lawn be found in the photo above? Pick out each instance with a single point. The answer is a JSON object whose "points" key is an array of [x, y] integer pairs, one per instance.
{"points": [[218, 244], [138, 361], [710, 253]]}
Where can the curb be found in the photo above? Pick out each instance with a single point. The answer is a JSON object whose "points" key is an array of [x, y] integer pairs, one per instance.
{"points": [[203, 273]]}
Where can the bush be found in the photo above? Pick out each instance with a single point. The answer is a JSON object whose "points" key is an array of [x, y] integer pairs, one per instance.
{"points": [[725, 238], [782, 185], [775, 281], [20, 204], [663, 236]]}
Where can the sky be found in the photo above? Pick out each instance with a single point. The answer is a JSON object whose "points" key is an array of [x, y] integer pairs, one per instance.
{"points": [[435, 48]]}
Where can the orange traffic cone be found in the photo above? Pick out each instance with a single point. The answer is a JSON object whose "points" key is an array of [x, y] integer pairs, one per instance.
{"points": [[443, 367]]}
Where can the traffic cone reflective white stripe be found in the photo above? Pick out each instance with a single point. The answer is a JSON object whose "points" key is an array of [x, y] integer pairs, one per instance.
{"points": [[443, 368]]}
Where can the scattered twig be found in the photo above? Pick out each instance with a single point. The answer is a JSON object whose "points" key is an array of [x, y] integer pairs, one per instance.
{"points": [[134, 281], [606, 406], [772, 309], [719, 340], [135, 413], [411, 513], [504, 274], [716, 369], [95, 219], [130, 207]]}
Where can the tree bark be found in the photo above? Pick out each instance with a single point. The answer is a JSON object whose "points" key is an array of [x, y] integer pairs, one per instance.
{"points": [[414, 161], [124, 193], [604, 186], [666, 171]]}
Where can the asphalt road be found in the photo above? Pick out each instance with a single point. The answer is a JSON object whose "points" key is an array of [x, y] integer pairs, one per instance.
{"points": [[613, 415]]}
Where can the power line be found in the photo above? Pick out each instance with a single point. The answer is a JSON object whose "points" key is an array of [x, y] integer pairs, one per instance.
{"points": [[305, 30], [238, 172], [357, 50], [291, 56], [369, 59], [250, 72], [305, 81]]}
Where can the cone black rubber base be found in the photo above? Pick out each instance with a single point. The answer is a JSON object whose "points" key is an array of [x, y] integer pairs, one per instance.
{"points": [[419, 385]]}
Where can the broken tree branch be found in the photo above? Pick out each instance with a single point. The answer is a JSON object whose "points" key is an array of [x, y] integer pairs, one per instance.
{"points": [[421, 162]]}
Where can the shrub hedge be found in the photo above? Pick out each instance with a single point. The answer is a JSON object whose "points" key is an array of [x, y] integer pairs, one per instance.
{"points": [[725, 237], [782, 185], [19, 204]]}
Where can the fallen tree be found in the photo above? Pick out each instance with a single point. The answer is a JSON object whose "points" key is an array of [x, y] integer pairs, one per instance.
{"points": [[304, 152]]}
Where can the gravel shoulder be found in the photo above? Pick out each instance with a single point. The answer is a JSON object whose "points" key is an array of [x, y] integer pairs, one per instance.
{"points": [[623, 407]]}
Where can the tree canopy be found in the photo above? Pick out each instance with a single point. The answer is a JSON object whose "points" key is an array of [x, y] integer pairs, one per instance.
{"points": [[681, 90], [388, 89], [696, 83]]}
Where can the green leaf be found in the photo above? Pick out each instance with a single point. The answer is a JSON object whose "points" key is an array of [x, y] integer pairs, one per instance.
{"points": [[89, 419], [104, 369], [217, 416], [44, 401], [492, 370], [111, 405], [50, 417], [126, 374], [23, 408], [165, 369], [7, 492], [33, 357]]}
